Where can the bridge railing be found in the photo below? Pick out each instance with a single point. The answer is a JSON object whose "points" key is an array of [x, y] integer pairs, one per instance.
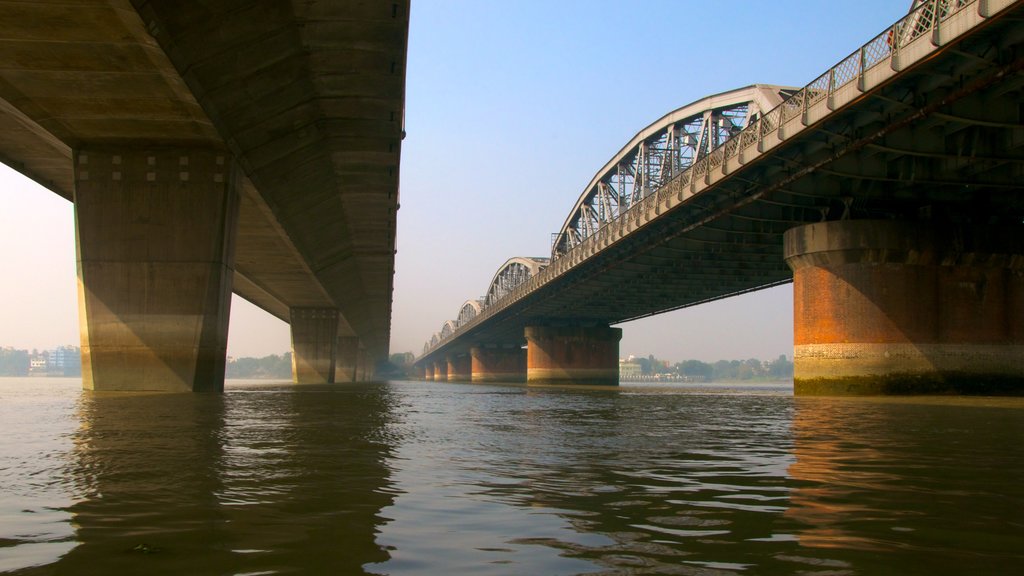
{"points": [[926, 18]]}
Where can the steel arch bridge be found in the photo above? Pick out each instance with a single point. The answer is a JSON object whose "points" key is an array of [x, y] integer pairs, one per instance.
{"points": [[851, 135], [659, 153], [469, 311], [512, 273]]}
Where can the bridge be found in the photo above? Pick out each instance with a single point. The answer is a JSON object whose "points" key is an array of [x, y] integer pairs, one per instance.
{"points": [[888, 190], [209, 148]]}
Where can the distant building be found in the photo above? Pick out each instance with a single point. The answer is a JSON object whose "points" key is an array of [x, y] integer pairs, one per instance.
{"points": [[629, 370]]}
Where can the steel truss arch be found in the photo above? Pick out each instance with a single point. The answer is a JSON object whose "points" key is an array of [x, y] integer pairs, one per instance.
{"points": [[447, 329], [661, 151], [512, 273], [469, 311]]}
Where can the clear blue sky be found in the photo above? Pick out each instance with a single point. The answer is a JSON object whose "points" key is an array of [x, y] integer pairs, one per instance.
{"points": [[511, 109]]}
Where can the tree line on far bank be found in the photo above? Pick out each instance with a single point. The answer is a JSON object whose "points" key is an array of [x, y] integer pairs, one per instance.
{"points": [[780, 368]]}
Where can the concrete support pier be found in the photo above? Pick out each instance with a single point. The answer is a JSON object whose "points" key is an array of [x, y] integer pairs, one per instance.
{"points": [[156, 232], [346, 364], [886, 307], [498, 364], [364, 371], [314, 345], [572, 355], [460, 368], [441, 370]]}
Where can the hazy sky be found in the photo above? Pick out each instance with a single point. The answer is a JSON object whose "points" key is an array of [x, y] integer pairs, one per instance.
{"points": [[511, 108]]}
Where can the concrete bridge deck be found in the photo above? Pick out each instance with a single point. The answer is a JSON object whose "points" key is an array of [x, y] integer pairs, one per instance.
{"points": [[305, 100]]}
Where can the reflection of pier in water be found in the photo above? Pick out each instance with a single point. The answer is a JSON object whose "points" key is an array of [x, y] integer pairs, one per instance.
{"points": [[908, 486], [260, 479]]}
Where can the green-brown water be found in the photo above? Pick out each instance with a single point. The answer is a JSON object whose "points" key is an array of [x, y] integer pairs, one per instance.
{"points": [[430, 478]]}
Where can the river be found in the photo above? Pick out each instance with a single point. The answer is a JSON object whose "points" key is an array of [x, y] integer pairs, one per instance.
{"points": [[430, 478]]}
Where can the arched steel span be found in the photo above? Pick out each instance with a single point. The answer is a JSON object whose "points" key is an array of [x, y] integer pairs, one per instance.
{"points": [[447, 329], [469, 311], [512, 273], [661, 151]]}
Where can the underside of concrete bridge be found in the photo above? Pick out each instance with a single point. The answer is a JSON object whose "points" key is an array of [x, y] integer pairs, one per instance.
{"points": [[213, 147]]}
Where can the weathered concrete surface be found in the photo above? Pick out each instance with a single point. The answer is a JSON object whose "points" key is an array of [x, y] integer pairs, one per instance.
{"points": [[346, 367], [572, 355], [498, 364], [314, 344], [307, 97], [900, 307], [460, 368], [156, 230]]}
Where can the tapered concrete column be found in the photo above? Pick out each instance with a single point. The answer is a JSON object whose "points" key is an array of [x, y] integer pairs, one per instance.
{"points": [[884, 307], [363, 372], [347, 363], [498, 364], [441, 370], [460, 368], [314, 344], [572, 355], [156, 233]]}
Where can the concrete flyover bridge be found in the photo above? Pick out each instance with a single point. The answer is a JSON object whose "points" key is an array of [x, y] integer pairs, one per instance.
{"points": [[888, 190], [212, 147]]}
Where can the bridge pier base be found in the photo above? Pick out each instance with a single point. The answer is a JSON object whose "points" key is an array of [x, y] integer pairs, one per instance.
{"points": [[314, 345], [364, 371], [498, 364], [346, 364], [441, 370], [885, 307], [572, 355], [428, 372], [156, 233], [460, 368]]}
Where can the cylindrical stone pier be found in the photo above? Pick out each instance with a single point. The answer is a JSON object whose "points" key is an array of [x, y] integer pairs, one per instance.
{"points": [[441, 370], [886, 307], [460, 368], [498, 364], [572, 355]]}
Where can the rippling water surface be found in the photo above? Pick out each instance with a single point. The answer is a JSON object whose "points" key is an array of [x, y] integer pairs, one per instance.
{"points": [[429, 478]]}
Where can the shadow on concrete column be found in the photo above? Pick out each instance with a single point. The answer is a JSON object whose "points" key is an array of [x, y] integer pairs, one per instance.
{"points": [[498, 364], [156, 232], [314, 344], [346, 368], [573, 355], [885, 307]]}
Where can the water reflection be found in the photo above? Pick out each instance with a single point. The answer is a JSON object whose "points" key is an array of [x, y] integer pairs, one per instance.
{"points": [[413, 478], [908, 486], [263, 479], [612, 482]]}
